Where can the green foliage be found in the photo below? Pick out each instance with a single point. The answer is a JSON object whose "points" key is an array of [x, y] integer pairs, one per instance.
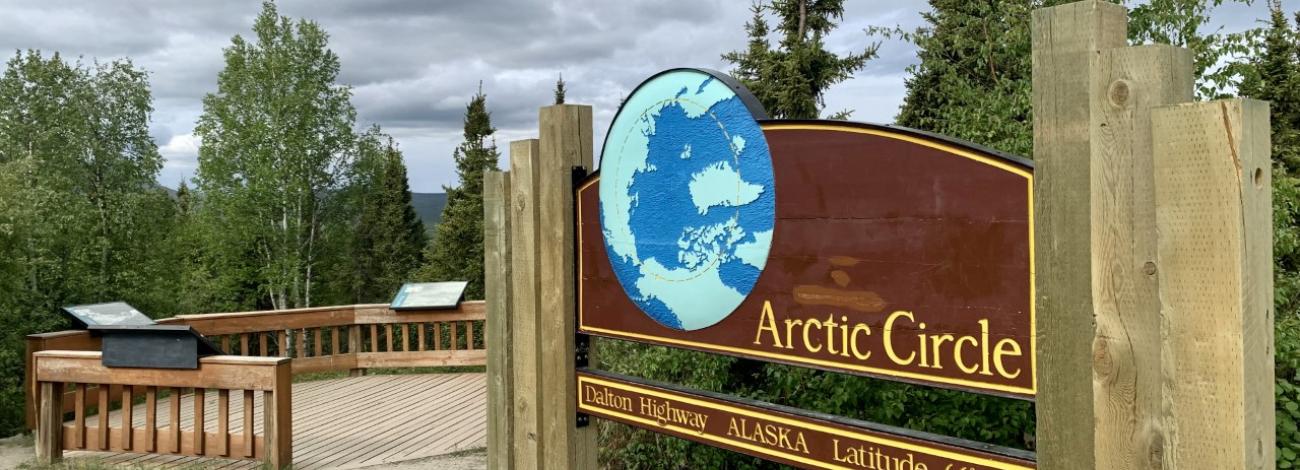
{"points": [[389, 237], [791, 79], [80, 214], [560, 90], [1272, 73], [456, 252], [1287, 382], [972, 81], [276, 147]]}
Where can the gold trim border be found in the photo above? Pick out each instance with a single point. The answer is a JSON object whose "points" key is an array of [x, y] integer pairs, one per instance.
{"points": [[718, 405], [1031, 391]]}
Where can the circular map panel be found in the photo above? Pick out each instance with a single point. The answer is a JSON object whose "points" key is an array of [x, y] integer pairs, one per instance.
{"points": [[686, 198]]}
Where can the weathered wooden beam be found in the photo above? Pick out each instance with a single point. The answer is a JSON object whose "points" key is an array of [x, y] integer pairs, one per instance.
{"points": [[49, 432], [1214, 214], [1128, 82], [277, 427], [566, 142], [496, 241], [1066, 39], [524, 240]]}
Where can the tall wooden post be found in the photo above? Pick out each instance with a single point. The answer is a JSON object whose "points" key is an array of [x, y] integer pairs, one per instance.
{"points": [[1105, 341], [566, 142], [1214, 212], [1065, 41], [524, 241], [496, 244]]}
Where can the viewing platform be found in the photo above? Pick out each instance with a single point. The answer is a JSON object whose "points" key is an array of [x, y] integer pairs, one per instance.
{"points": [[335, 416]]}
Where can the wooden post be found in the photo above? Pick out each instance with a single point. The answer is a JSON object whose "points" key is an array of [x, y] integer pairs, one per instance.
{"points": [[496, 241], [1214, 213], [1127, 84], [566, 142], [354, 348], [524, 241], [49, 431], [277, 425], [1066, 39]]}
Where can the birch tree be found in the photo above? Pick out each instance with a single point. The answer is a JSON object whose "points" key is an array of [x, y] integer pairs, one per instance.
{"points": [[276, 144]]}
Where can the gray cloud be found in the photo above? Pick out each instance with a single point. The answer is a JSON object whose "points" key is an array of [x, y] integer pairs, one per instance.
{"points": [[413, 64]]}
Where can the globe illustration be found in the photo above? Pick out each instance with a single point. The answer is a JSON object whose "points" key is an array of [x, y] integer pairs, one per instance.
{"points": [[687, 204]]}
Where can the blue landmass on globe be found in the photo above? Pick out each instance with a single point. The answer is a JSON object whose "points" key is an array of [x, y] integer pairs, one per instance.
{"points": [[687, 202]]}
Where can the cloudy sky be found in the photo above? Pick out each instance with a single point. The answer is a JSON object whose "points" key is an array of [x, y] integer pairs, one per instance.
{"points": [[413, 64]]}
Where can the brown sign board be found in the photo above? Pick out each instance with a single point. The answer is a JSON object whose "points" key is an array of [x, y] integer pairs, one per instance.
{"points": [[781, 434], [893, 254]]}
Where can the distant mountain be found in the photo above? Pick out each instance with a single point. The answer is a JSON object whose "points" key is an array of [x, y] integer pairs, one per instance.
{"points": [[429, 207]]}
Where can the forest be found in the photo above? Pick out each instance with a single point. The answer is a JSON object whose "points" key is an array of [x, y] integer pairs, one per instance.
{"points": [[295, 203]]}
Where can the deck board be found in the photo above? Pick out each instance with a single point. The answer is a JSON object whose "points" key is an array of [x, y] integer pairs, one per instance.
{"points": [[344, 423]]}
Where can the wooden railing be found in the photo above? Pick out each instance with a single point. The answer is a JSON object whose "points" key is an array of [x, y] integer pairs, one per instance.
{"points": [[350, 338], [80, 374], [354, 337]]}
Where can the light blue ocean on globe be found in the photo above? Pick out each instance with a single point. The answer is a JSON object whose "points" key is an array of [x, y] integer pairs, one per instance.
{"points": [[686, 199]]}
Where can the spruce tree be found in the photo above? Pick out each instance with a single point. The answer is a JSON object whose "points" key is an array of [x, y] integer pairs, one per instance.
{"points": [[972, 81], [456, 251], [1274, 75], [560, 90], [389, 236], [791, 79]]}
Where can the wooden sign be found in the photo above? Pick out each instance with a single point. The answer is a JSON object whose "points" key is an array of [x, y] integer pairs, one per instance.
{"points": [[848, 247], [153, 346], [106, 314], [429, 295], [780, 434]]}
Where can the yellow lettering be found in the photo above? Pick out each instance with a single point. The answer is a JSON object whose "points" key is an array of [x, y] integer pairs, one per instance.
{"points": [[938, 342], [960, 363], [854, 344], [889, 345], [984, 347], [830, 334], [998, 351], [769, 325], [806, 343], [789, 335]]}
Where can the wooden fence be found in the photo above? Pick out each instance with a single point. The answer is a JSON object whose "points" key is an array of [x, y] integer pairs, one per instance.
{"points": [[79, 375]]}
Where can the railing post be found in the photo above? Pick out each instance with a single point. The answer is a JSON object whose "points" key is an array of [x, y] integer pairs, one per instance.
{"points": [[277, 427], [497, 337], [29, 382], [354, 348], [49, 432]]}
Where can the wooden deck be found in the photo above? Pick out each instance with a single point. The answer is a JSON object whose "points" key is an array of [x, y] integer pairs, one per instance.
{"points": [[348, 423]]}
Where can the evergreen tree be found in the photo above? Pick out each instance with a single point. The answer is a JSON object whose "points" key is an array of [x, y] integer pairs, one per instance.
{"points": [[973, 78], [1274, 75], [559, 90], [389, 236], [456, 252], [277, 145], [1272, 72], [791, 79], [80, 213], [972, 81]]}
